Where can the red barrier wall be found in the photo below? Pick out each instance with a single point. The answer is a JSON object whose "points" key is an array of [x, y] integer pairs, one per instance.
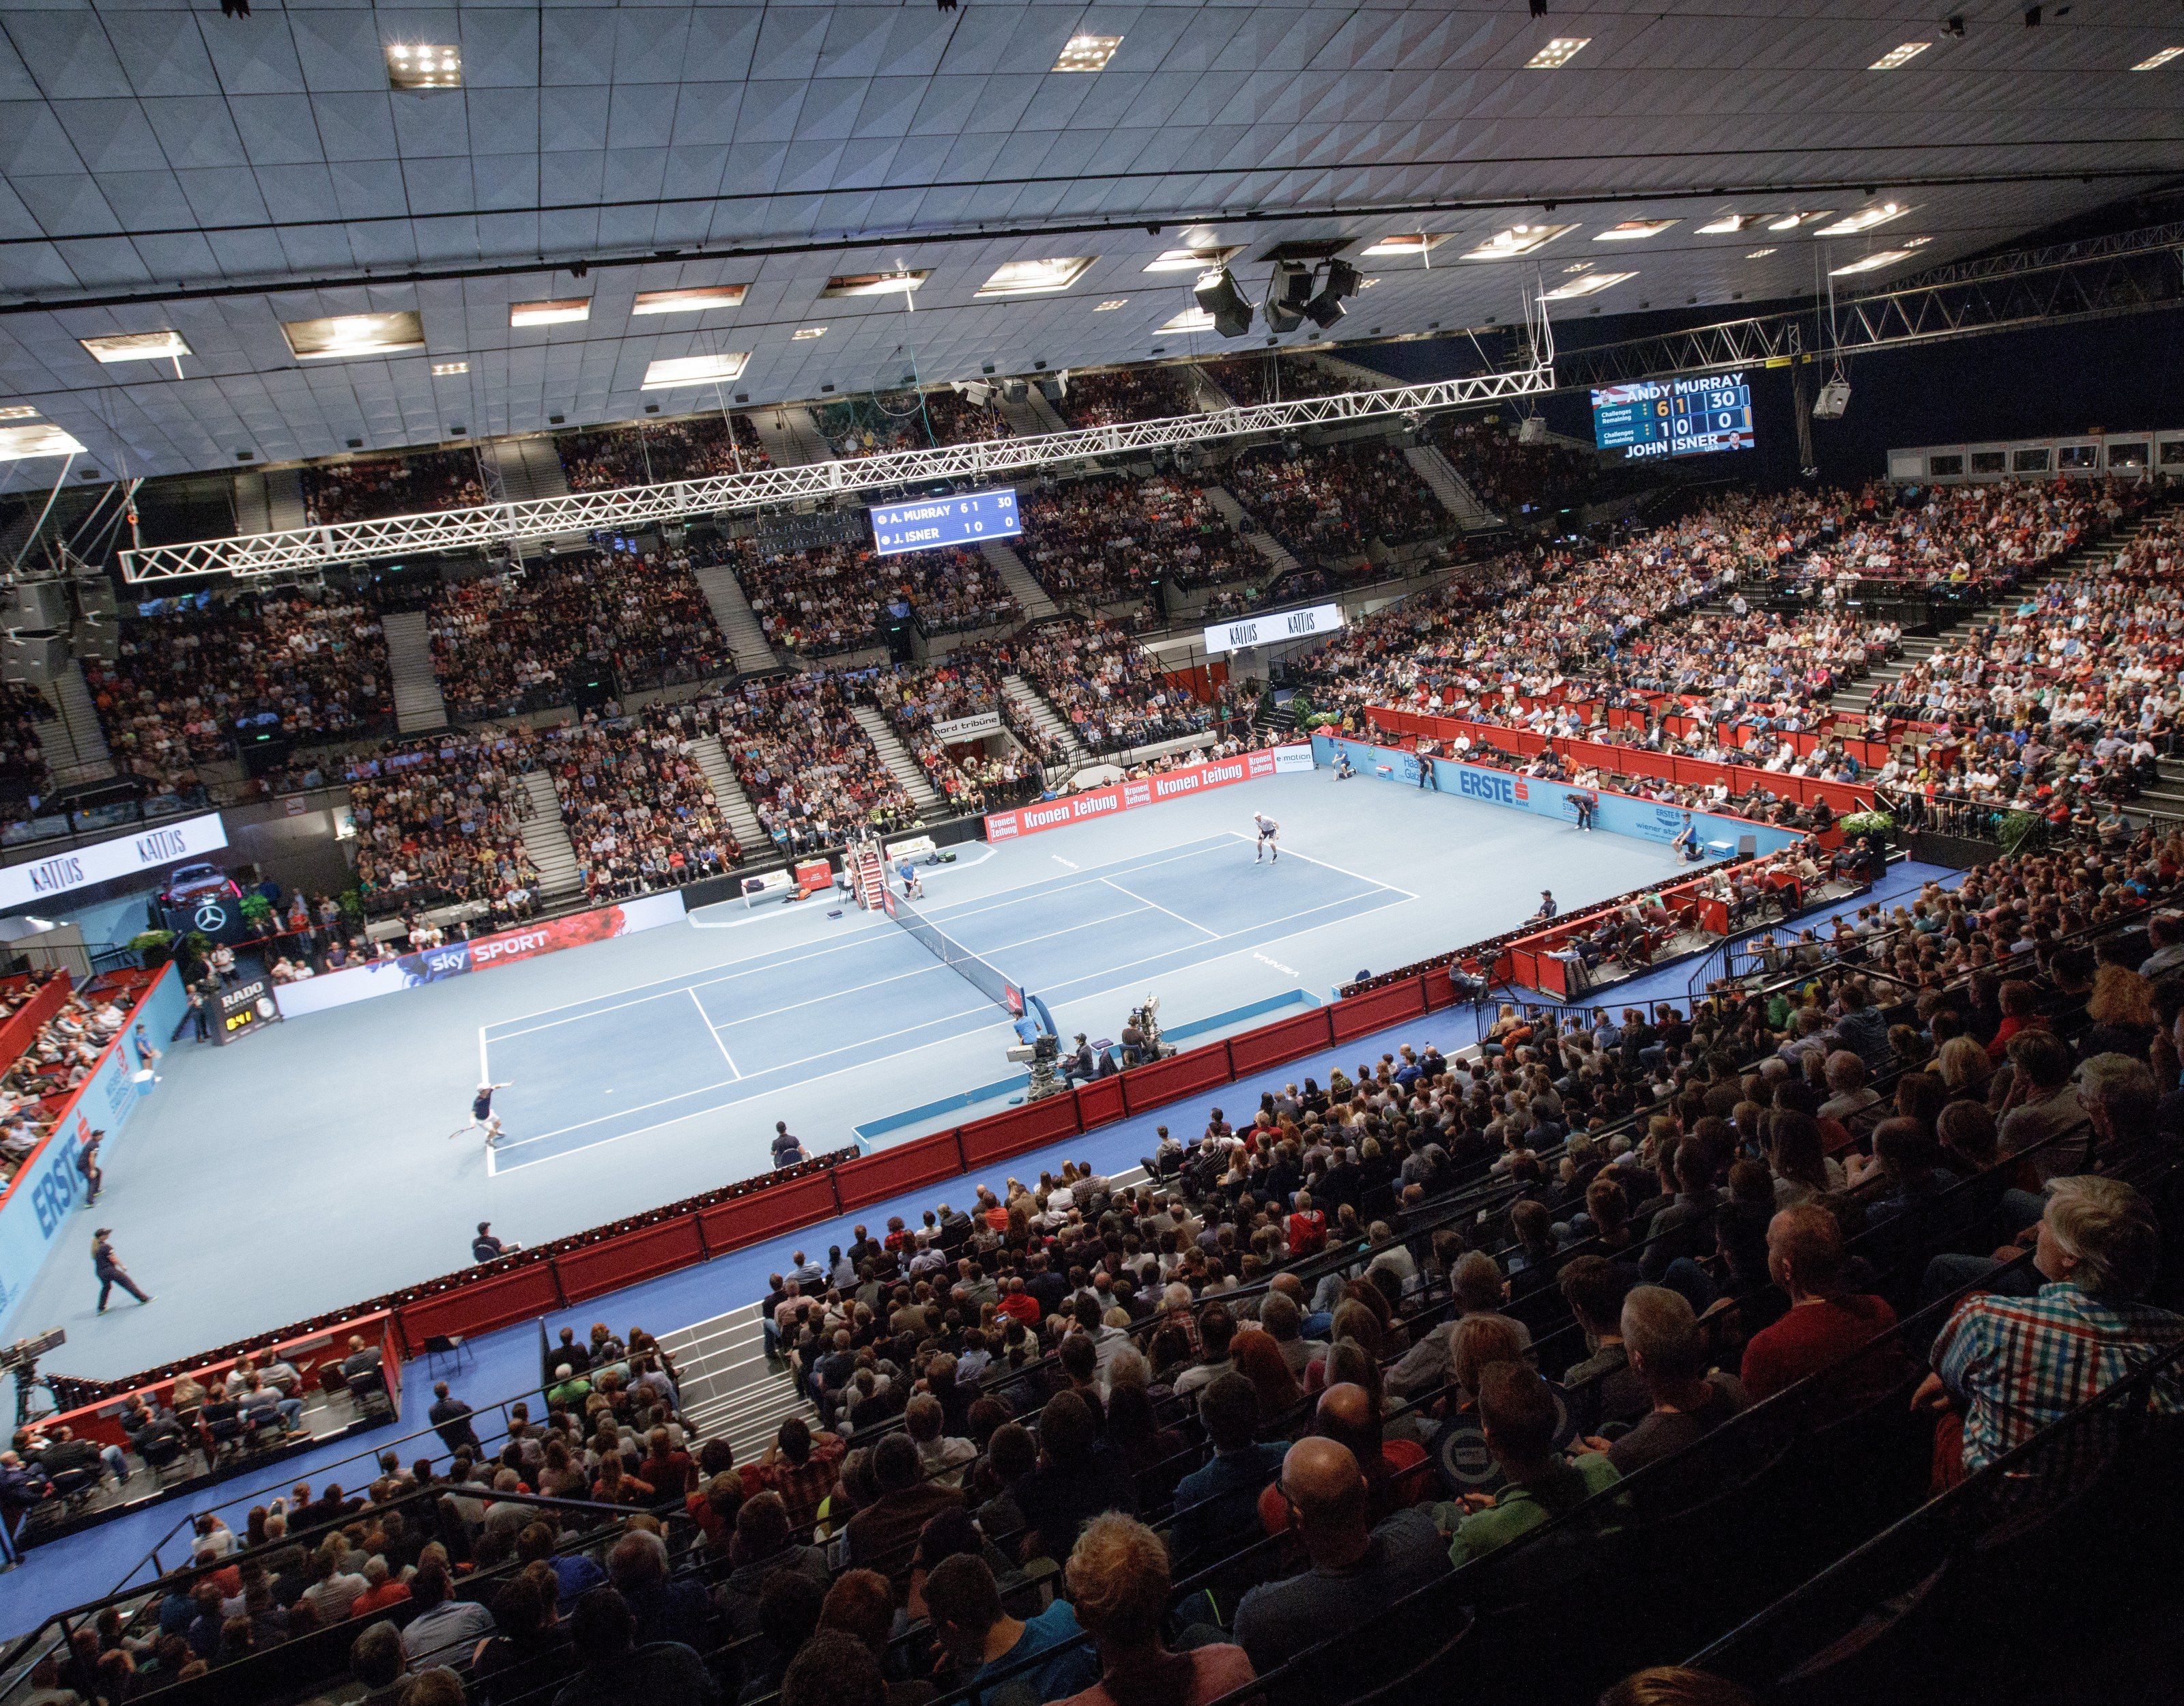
{"points": [[479, 1305], [1285, 1039], [1035, 1124], [640, 1255], [1098, 1102], [1376, 1008], [778, 1208], [22, 1026], [873, 1179], [1179, 1076]]}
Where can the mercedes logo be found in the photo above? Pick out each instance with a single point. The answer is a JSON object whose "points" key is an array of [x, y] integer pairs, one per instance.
{"points": [[211, 917]]}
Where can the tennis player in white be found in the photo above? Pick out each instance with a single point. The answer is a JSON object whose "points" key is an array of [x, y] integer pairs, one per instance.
{"points": [[1269, 842], [482, 1117]]}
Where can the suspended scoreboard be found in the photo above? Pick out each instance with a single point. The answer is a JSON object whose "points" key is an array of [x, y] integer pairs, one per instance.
{"points": [[929, 523], [1673, 417]]}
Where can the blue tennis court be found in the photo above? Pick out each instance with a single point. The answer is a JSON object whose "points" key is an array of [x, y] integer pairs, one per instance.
{"points": [[638, 1060]]}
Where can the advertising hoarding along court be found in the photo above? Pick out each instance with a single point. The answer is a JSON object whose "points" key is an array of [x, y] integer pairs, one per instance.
{"points": [[1152, 790], [930, 523], [150, 849], [479, 954]]}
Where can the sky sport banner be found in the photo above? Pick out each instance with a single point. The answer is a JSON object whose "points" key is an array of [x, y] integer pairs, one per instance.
{"points": [[479, 954], [153, 848], [1152, 790]]}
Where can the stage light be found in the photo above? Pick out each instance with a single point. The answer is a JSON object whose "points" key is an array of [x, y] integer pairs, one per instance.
{"points": [[1338, 279], [1288, 290], [1217, 295]]}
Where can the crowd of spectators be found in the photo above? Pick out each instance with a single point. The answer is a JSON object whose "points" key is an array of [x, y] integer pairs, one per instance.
{"points": [[874, 425], [2065, 694], [35, 1085], [367, 488], [1332, 500], [956, 420], [25, 779], [442, 820], [512, 641], [1274, 376], [970, 775], [1124, 394], [1099, 540], [639, 812], [826, 599], [1110, 690], [697, 447], [1507, 475], [187, 680], [813, 775]]}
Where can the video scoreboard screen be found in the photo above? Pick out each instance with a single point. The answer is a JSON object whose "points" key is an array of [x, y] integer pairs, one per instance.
{"points": [[929, 523], [1673, 417]]}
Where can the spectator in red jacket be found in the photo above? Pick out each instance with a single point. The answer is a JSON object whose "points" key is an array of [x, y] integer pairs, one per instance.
{"points": [[1307, 1227]]}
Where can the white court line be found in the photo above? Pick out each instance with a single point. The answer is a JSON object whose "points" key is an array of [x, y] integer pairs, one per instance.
{"points": [[671, 986], [697, 923], [485, 1072], [715, 1107], [1158, 908], [1344, 869], [715, 1034], [1050, 886], [1071, 863]]}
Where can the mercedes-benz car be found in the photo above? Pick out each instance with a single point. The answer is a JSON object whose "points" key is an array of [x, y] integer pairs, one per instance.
{"points": [[190, 883]]}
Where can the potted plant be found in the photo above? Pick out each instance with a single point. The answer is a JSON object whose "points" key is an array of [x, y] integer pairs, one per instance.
{"points": [[153, 948]]}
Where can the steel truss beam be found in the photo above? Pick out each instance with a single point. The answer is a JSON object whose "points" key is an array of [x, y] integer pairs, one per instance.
{"points": [[2129, 273], [306, 549]]}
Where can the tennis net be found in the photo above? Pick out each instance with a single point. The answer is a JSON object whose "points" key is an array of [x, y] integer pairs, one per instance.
{"points": [[980, 973]]}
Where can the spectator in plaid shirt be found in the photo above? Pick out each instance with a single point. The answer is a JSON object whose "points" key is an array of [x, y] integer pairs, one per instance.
{"points": [[2012, 1365], [801, 1467]]}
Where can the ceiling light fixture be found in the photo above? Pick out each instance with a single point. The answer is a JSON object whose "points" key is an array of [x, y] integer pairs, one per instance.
{"points": [[898, 283], [1192, 260], [1897, 57], [1557, 54], [449, 370], [1790, 221], [804, 334], [340, 336], [1087, 53], [1367, 283], [136, 346], [1190, 320], [560, 311], [2156, 61], [693, 301], [423, 65], [1870, 263], [1517, 240], [1033, 277], [39, 439], [18, 411], [1591, 285], [1110, 304], [1850, 225], [673, 371], [1420, 243], [1724, 225], [1758, 253], [1632, 230]]}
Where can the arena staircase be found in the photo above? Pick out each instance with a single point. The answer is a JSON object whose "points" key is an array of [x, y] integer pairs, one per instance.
{"points": [[1023, 422], [1451, 488], [546, 842], [418, 706], [901, 764], [1206, 395], [739, 623], [530, 469], [284, 500], [252, 513], [1023, 585], [728, 792], [730, 1389], [791, 437], [1044, 718], [1278, 554], [73, 744]]}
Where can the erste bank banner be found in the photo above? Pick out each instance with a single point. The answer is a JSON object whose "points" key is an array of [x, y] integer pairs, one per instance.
{"points": [[479, 954], [1152, 790]]}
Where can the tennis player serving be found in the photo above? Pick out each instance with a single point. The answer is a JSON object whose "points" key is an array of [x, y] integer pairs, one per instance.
{"points": [[1269, 838]]}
